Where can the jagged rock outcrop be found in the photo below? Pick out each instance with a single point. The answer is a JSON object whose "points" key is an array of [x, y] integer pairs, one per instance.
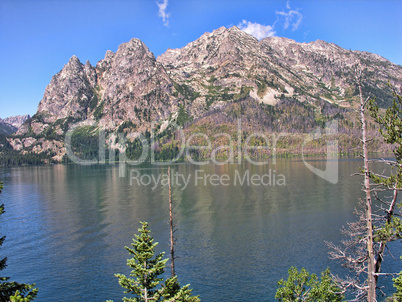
{"points": [[130, 88], [68, 93], [66, 97], [129, 85]]}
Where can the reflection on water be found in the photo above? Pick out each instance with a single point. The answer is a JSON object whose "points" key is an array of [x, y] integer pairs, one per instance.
{"points": [[67, 226]]}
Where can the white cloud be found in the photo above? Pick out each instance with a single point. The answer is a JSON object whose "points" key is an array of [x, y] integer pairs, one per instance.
{"points": [[292, 17], [257, 30], [162, 12]]}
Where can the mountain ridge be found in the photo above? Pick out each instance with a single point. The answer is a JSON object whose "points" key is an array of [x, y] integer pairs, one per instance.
{"points": [[130, 88], [10, 125]]}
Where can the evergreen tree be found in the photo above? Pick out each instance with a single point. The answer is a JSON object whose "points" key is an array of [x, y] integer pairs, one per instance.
{"points": [[172, 292], [10, 290], [303, 286], [147, 268]]}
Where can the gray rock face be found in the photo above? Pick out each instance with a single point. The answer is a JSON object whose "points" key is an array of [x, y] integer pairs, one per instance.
{"points": [[133, 86], [226, 65], [6, 128], [68, 93], [129, 85], [231, 59], [11, 124], [16, 121]]}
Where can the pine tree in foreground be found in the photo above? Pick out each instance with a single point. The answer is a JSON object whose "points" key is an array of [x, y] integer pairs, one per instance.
{"points": [[147, 268], [145, 277], [10, 290], [303, 286]]}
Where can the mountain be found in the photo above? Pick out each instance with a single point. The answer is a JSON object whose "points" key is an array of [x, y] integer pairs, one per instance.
{"points": [[17, 120], [275, 84], [229, 59], [128, 85], [10, 124], [6, 128]]}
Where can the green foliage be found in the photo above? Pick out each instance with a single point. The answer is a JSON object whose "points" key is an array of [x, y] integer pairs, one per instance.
{"points": [[98, 113], [391, 129], [11, 290], [39, 117], [93, 102], [303, 286], [398, 286], [263, 83], [244, 91], [383, 95], [391, 230], [333, 87], [183, 117], [126, 125], [186, 91], [146, 268], [391, 124], [172, 292], [14, 158], [85, 142], [397, 296], [26, 293]]}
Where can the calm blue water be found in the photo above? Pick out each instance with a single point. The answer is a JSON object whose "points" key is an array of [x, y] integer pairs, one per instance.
{"points": [[67, 226]]}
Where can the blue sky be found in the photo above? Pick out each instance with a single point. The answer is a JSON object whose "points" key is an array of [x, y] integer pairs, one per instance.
{"points": [[38, 37]]}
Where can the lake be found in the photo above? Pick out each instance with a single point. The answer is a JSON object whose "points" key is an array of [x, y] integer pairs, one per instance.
{"points": [[239, 229]]}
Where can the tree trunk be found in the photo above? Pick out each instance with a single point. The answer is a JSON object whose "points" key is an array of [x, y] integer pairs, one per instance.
{"points": [[371, 291], [171, 228]]}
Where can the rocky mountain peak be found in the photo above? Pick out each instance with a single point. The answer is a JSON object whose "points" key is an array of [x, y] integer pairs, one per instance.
{"points": [[104, 63], [109, 54], [126, 53], [74, 60], [67, 94], [134, 45], [90, 73], [321, 43], [17, 120], [211, 49], [129, 88], [74, 64]]}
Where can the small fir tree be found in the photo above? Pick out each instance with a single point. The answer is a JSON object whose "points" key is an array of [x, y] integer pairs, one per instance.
{"points": [[147, 268]]}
